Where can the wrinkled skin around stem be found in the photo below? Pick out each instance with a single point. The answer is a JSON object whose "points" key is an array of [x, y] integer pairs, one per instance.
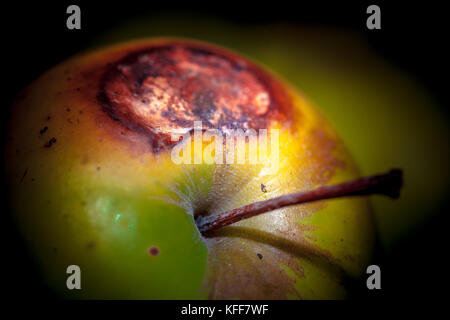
{"points": [[92, 182]]}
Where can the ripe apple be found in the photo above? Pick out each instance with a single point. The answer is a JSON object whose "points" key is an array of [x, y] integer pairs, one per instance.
{"points": [[92, 182]]}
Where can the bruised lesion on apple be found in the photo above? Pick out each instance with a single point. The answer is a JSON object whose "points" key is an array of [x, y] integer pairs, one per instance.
{"points": [[159, 89]]}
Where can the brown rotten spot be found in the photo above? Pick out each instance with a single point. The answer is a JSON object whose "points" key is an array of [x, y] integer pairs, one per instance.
{"points": [[159, 89]]}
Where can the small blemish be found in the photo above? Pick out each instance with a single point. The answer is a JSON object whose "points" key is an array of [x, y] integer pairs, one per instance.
{"points": [[153, 251], [50, 142], [260, 256], [98, 168], [48, 118], [85, 159], [24, 174], [68, 109], [90, 245], [263, 188], [43, 130]]}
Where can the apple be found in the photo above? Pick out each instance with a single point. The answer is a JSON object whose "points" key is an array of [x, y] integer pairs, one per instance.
{"points": [[93, 183]]}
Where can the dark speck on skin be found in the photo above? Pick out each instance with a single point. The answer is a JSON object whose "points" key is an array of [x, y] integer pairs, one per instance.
{"points": [[260, 256], [50, 142], [85, 159], [263, 188], [90, 245], [24, 174], [153, 251], [43, 130]]}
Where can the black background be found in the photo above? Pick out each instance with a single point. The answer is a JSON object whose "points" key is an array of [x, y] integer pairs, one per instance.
{"points": [[413, 36]]}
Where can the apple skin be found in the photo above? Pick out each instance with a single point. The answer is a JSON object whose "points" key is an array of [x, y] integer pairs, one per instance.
{"points": [[97, 196]]}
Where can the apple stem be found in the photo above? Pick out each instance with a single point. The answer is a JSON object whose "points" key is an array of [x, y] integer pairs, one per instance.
{"points": [[388, 184]]}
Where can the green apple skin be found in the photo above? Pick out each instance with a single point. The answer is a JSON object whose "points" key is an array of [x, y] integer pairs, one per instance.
{"points": [[86, 190]]}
